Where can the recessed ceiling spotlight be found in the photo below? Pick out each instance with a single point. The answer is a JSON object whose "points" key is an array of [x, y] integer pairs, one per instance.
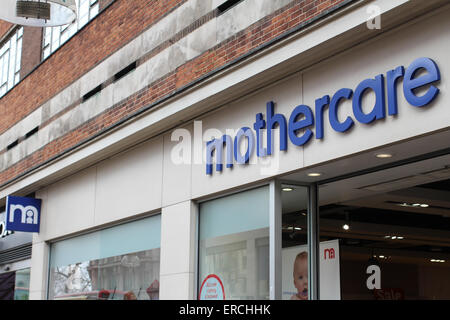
{"points": [[346, 227], [394, 237], [383, 155], [411, 205], [314, 174], [437, 260]]}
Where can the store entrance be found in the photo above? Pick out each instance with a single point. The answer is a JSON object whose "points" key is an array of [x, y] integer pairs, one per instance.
{"points": [[390, 230], [393, 229]]}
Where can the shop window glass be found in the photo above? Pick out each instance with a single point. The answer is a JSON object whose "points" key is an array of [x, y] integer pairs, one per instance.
{"points": [[15, 285], [234, 246], [22, 284], [119, 263]]}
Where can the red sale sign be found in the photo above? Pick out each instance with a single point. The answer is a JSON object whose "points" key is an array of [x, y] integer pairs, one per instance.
{"points": [[389, 294]]}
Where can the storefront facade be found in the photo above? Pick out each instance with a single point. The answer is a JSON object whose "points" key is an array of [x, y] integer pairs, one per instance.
{"points": [[197, 198]]}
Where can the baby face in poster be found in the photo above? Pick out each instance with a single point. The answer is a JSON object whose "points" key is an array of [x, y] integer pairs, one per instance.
{"points": [[301, 276]]}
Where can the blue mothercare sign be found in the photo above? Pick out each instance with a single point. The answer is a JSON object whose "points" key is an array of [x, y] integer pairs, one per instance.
{"points": [[23, 214], [299, 126]]}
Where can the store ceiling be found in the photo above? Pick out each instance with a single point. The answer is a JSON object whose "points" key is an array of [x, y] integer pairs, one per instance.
{"points": [[382, 204]]}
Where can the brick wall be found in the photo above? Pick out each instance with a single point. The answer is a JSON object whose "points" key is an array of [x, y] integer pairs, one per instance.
{"points": [[4, 27], [110, 31], [103, 3]]}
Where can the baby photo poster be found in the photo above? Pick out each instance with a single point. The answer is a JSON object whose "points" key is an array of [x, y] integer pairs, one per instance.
{"points": [[295, 272]]}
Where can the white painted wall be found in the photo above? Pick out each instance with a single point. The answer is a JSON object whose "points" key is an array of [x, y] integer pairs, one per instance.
{"points": [[130, 183], [177, 174], [123, 186], [178, 251]]}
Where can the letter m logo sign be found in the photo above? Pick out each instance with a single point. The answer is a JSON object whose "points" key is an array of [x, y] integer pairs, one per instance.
{"points": [[330, 252], [23, 214]]}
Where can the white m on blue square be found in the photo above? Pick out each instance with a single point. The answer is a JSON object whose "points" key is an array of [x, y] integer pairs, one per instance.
{"points": [[23, 214]]}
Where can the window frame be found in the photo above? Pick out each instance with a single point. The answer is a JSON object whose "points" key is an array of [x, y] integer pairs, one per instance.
{"points": [[12, 44], [54, 37], [275, 236]]}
